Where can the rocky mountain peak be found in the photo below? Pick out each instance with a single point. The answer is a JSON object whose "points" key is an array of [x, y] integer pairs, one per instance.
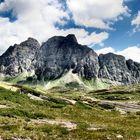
{"points": [[30, 42], [61, 41], [71, 38], [59, 55], [116, 68], [18, 58]]}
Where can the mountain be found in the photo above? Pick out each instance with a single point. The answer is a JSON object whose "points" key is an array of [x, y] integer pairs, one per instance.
{"points": [[60, 54], [116, 68], [63, 60], [18, 58]]}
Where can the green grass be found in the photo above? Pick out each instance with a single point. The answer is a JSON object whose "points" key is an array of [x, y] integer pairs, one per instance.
{"points": [[120, 93], [15, 121], [20, 77]]}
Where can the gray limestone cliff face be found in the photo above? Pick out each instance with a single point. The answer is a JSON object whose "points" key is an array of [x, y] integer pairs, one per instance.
{"points": [[18, 58], [134, 69], [60, 54], [116, 68]]}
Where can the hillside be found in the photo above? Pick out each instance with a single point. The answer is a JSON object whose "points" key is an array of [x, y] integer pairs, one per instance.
{"points": [[27, 113], [64, 90]]}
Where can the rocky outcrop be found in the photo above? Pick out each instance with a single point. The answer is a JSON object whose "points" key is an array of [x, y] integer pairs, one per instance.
{"points": [[60, 54], [116, 68], [18, 58], [134, 69]]}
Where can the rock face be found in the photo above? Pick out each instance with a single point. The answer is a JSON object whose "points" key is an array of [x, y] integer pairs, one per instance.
{"points": [[61, 54], [116, 68], [18, 58], [134, 69]]}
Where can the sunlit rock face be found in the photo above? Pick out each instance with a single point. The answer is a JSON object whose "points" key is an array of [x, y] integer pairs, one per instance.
{"points": [[134, 69], [116, 68], [18, 58]]}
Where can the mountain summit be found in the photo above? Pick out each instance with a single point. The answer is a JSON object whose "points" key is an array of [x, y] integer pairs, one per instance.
{"points": [[18, 58], [61, 55]]}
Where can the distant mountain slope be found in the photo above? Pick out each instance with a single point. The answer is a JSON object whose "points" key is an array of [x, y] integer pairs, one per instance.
{"points": [[59, 55]]}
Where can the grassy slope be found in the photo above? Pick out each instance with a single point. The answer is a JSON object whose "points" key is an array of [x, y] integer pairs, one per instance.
{"points": [[70, 77], [15, 119], [68, 80], [20, 77]]}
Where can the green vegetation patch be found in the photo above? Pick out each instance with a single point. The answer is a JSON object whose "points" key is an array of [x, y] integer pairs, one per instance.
{"points": [[17, 119]]}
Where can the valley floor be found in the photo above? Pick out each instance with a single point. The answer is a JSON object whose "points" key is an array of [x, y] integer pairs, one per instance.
{"points": [[60, 114]]}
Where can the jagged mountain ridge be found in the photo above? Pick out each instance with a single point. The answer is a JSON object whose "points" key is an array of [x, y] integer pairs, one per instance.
{"points": [[59, 55], [19, 58], [117, 68]]}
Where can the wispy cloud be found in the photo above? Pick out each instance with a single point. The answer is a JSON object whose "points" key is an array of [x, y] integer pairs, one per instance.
{"points": [[136, 22]]}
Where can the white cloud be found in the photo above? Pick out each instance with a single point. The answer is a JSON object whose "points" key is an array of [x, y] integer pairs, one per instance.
{"points": [[129, 53], [136, 22], [37, 19], [97, 13], [85, 38], [105, 50]]}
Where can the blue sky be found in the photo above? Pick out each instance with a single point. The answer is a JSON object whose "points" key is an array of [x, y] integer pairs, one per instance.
{"points": [[123, 37], [106, 26]]}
